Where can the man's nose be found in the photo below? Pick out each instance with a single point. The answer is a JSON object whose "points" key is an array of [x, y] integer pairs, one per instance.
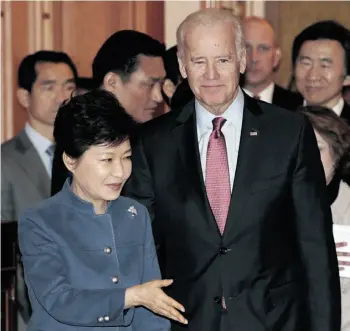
{"points": [[211, 72]]}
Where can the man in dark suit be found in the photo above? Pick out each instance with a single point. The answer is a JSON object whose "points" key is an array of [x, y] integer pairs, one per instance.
{"points": [[263, 58], [236, 191], [129, 65], [321, 65], [45, 80]]}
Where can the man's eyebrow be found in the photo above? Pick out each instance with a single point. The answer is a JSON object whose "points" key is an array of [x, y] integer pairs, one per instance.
{"points": [[47, 82], [304, 57], [326, 59]]}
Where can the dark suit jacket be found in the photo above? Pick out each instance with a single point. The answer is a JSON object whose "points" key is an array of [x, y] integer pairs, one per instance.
{"points": [[275, 264], [285, 98]]}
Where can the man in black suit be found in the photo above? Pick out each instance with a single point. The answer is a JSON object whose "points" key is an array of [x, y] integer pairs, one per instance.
{"points": [[236, 191], [130, 65], [321, 65], [263, 58]]}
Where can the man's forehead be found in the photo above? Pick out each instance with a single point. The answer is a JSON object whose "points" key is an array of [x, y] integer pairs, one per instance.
{"points": [[52, 69], [322, 46], [151, 66]]}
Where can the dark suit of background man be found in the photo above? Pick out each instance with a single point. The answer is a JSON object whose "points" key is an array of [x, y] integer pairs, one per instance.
{"points": [[45, 80], [263, 58], [130, 65], [236, 191], [321, 65]]}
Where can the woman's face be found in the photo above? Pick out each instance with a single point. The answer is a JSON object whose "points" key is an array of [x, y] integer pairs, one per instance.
{"points": [[100, 173], [327, 158]]}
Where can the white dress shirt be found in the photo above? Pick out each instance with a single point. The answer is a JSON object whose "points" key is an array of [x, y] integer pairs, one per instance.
{"points": [[265, 95], [231, 130], [41, 144], [338, 108]]}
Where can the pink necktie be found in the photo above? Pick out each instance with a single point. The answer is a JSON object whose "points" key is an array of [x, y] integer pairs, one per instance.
{"points": [[217, 174]]}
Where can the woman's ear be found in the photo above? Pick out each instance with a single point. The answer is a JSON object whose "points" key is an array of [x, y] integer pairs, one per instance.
{"points": [[69, 162], [23, 97]]}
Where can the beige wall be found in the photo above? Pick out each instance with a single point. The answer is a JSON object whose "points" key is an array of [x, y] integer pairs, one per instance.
{"points": [[174, 13]]}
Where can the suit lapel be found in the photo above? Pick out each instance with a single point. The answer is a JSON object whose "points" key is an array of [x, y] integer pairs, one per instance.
{"points": [[29, 160], [248, 155], [185, 135], [345, 114]]}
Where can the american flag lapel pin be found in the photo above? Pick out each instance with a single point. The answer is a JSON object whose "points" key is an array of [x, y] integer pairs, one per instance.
{"points": [[132, 211], [253, 132]]}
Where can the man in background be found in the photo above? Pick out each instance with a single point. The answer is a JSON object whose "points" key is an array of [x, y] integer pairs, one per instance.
{"points": [[129, 65], [45, 80], [321, 65], [263, 58]]}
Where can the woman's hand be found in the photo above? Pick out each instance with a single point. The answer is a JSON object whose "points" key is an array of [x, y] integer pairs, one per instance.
{"points": [[151, 296], [342, 254]]}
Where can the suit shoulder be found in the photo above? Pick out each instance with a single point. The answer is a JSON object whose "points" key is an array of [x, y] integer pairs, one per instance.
{"points": [[281, 116], [9, 146], [43, 210]]}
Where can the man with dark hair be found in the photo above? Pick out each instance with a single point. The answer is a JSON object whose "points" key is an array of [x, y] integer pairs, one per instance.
{"points": [[45, 80], [129, 65], [263, 58], [321, 65]]}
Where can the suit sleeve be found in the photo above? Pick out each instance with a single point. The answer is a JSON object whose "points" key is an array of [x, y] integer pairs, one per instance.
{"points": [[144, 319], [140, 184], [7, 199], [45, 275], [315, 235]]}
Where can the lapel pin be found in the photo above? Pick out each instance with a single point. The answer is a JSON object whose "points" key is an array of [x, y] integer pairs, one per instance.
{"points": [[132, 211], [254, 132]]}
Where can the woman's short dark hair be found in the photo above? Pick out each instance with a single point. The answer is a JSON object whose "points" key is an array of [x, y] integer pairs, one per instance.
{"points": [[94, 118], [334, 131]]}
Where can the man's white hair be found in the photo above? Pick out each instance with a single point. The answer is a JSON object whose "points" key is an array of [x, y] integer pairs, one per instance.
{"points": [[211, 17]]}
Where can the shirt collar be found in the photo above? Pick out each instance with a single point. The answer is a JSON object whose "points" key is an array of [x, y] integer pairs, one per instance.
{"points": [[72, 200], [338, 108], [233, 114], [266, 94], [40, 142]]}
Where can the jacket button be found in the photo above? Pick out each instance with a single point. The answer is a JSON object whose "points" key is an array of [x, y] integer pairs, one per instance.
{"points": [[217, 299], [106, 318], [223, 250], [100, 319], [115, 279], [107, 250]]}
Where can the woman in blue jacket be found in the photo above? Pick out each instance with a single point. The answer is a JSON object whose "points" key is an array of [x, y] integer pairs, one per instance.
{"points": [[88, 253]]}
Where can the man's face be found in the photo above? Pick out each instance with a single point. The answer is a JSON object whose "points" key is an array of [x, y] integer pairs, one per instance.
{"points": [[141, 94], [262, 54], [210, 62], [54, 83], [320, 72]]}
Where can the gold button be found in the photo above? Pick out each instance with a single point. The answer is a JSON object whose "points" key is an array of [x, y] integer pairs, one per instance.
{"points": [[107, 250], [106, 318], [100, 319], [115, 279]]}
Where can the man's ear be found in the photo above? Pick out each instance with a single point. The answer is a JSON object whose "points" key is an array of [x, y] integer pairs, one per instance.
{"points": [[169, 88], [243, 61], [112, 82], [277, 58], [23, 97], [69, 162], [346, 81], [181, 65]]}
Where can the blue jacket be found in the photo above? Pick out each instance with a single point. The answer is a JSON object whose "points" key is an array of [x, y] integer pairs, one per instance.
{"points": [[77, 265]]}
